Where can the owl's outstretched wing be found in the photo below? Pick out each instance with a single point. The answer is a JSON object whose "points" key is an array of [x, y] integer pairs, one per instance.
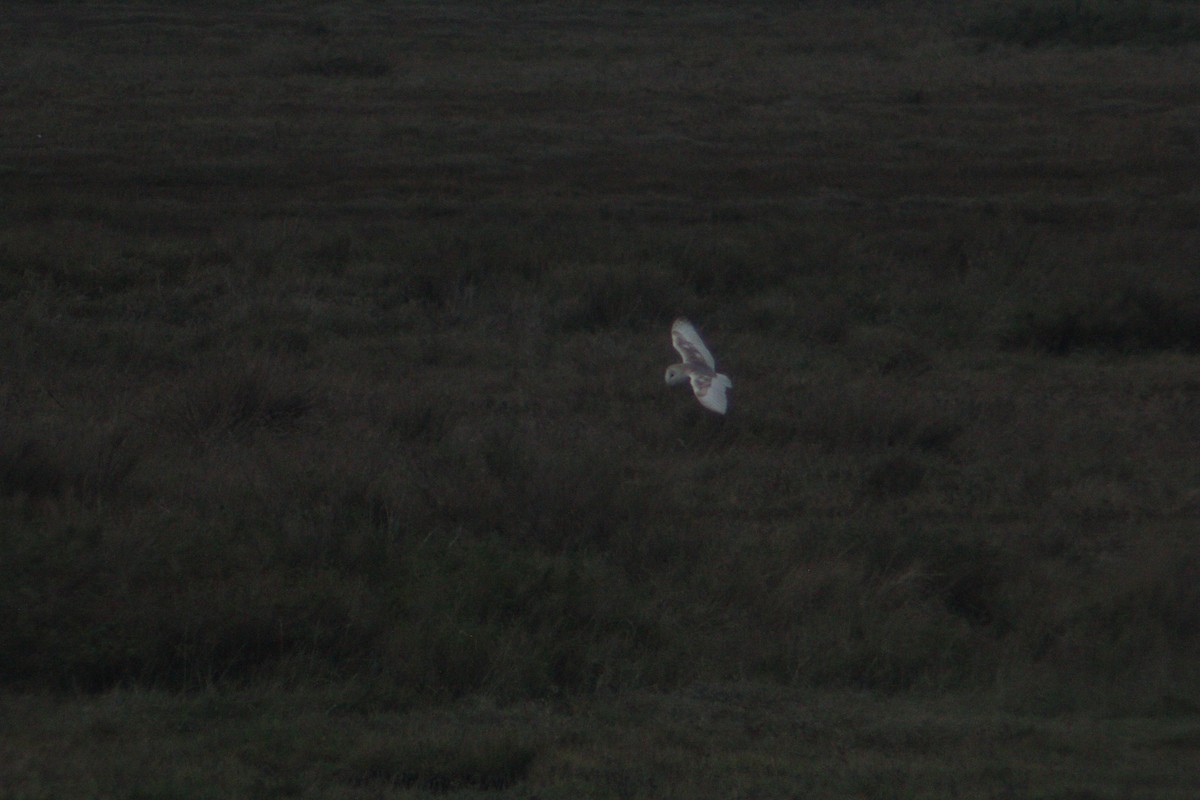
{"points": [[710, 391], [690, 345]]}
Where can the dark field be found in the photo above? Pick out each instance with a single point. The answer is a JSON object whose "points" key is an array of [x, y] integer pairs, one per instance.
{"points": [[335, 455]]}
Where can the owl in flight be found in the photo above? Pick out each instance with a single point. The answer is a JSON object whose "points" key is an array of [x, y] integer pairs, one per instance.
{"points": [[698, 366]]}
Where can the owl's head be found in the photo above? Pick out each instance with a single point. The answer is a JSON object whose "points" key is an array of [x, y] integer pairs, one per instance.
{"points": [[676, 375]]}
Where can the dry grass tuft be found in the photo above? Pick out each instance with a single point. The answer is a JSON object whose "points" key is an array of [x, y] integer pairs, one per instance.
{"points": [[85, 465], [237, 400], [487, 764]]}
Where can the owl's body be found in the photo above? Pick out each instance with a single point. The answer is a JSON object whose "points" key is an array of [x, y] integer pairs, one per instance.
{"points": [[698, 367]]}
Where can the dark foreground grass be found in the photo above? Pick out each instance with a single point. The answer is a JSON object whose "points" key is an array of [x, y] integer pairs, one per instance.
{"points": [[710, 741], [331, 344]]}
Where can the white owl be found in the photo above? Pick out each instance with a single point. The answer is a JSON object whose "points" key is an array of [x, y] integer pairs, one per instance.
{"points": [[698, 366]]}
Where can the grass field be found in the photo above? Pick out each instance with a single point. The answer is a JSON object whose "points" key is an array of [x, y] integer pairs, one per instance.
{"points": [[335, 455]]}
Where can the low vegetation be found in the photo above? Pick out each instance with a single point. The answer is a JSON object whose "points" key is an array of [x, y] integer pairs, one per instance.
{"points": [[331, 344], [1090, 23]]}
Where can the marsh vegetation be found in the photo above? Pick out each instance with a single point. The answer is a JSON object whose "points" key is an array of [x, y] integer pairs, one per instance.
{"points": [[335, 457]]}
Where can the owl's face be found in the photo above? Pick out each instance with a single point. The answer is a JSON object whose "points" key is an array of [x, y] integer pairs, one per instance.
{"points": [[676, 375]]}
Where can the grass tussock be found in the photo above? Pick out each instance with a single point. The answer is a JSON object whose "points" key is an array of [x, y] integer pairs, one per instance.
{"points": [[344, 66], [490, 764], [87, 466], [236, 400]]}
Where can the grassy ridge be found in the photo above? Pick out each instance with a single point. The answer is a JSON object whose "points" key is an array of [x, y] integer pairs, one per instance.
{"points": [[332, 341]]}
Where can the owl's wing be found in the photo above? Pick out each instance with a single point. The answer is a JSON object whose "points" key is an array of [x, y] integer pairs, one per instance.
{"points": [[690, 345], [710, 391]]}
